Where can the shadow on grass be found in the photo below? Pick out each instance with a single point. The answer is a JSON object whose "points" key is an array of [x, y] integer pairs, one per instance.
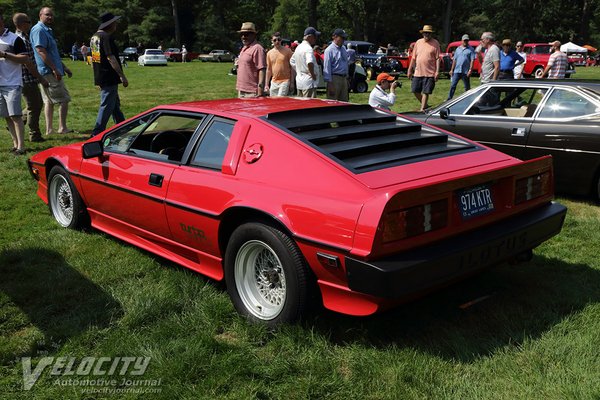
{"points": [[524, 301], [56, 298]]}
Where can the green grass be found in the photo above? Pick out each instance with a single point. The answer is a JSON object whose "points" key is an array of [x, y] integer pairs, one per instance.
{"points": [[85, 294]]}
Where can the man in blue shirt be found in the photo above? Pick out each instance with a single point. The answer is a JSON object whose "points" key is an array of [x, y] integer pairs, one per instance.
{"points": [[462, 65], [508, 60], [50, 66], [335, 67]]}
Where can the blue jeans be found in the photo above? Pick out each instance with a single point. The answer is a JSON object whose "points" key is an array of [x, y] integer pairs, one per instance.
{"points": [[110, 105], [454, 82]]}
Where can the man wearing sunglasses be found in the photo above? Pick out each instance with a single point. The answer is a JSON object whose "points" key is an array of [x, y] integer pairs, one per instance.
{"points": [[518, 70], [279, 70]]}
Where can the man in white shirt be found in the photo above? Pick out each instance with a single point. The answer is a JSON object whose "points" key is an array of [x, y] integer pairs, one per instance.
{"points": [[379, 96], [304, 63]]}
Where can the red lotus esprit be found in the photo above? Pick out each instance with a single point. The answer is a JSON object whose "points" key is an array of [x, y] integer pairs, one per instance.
{"points": [[282, 197]]}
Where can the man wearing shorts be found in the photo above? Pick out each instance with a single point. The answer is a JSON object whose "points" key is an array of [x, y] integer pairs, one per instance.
{"points": [[424, 66], [12, 55], [50, 66]]}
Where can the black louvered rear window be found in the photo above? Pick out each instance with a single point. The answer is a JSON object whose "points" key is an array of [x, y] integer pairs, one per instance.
{"points": [[364, 139]]}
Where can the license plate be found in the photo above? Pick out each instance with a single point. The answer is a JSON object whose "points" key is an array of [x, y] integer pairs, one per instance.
{"points": [[475, 201]]}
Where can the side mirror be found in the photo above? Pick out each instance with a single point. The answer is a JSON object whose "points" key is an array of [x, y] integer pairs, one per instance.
{"points": [[92, 149], [444, 113]]}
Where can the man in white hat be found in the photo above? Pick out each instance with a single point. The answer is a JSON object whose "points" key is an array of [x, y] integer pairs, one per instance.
{"points": [[424, 67], [305, 65], [252, 64], [108, 72]]}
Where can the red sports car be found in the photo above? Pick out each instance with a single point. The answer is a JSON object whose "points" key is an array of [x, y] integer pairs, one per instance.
{"points": [[285, 198]]}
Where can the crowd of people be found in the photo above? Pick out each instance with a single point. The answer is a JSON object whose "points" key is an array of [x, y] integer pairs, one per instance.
{"points": [[31, 68], [297, 70]]}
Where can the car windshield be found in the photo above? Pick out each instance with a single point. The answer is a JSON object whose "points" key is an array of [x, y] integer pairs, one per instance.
{"points": [[544, 49], [154, 52]]}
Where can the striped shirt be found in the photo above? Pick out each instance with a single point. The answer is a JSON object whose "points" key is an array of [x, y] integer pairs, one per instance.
{"points": [[27, 77], [558, 65]]}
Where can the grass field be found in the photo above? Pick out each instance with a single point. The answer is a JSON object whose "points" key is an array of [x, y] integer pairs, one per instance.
{"points": [[534, 334]]}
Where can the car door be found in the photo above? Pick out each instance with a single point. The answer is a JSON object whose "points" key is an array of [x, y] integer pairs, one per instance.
{"points": [[497, 116], [200, 190], [566, 126], [126, 187]]}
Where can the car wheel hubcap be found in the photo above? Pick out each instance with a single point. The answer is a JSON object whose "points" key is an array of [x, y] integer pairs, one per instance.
{"points": [[61, 200], [260, 280]]}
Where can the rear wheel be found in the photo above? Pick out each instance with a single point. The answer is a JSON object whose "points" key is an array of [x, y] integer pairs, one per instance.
{"points": [[64, 201], [266, 275], [361, 87]]}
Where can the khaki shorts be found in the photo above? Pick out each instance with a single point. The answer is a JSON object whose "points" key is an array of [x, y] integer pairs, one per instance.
{"points": [[56, 92], [10, 101]]}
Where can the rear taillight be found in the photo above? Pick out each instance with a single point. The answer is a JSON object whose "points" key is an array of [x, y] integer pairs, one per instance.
{"points": [[532, 187], [414, 221]]}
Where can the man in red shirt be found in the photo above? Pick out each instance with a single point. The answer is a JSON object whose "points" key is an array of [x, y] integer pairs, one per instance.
{"points": [[252, 64], [424, 66]]}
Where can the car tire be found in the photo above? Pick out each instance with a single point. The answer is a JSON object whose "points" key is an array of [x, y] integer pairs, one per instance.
{"points": [[266, 275], [64, 200], [538, 72], [219, 59], [361, 87]]}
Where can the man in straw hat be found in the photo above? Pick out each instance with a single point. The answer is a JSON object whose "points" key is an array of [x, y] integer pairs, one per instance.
{"points": [[424, 66], [108, 72], [252, 64]]}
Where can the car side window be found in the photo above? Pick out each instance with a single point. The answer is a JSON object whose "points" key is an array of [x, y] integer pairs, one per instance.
{"points": [[461, 106], [567, 104], [166, 136], [120, 139], [213, 144]]}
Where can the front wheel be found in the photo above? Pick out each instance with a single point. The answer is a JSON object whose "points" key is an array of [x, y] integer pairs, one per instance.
{"points": [[538, 72], [371, 75], [266, 275], [64, 201]]}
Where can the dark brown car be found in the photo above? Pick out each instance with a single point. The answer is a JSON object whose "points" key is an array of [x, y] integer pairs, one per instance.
{"points": [[531, 118]]}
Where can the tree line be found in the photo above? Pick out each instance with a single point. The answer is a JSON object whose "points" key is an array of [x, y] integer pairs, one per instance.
{"points": [[203, 25]]}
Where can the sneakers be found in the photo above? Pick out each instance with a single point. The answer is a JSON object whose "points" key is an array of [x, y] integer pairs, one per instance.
{"points": [[36, 139]]}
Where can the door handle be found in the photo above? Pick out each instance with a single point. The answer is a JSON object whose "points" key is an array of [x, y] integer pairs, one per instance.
{"points": [[156, 180], [519, 132]]}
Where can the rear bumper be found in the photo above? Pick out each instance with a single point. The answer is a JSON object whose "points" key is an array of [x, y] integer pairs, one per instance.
{"points": [[419, 270]]}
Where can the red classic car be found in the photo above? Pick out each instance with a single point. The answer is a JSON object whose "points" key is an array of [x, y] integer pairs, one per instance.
{"points": [[289, 198]]}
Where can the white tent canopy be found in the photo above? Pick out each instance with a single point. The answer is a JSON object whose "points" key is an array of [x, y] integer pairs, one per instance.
{"points": [[571, 47]]}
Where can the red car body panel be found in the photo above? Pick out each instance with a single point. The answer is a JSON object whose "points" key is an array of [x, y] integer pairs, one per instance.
{"points": [[268, 173]]}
